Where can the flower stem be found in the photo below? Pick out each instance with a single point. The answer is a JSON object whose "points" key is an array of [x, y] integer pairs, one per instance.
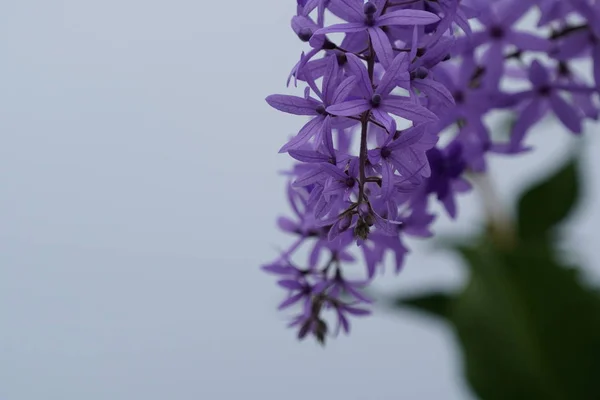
{"points": [[363, 155], [364, 124], [501, 225]]}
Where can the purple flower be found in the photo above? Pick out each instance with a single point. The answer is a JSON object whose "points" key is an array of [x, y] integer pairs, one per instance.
{"points": [[340, 183], [498, 32], [333, 90], [447, 168], [471, 103], [584, 39], [398, 114], [379, 101], [406, 154], [369, 18], [375, 249], [545, 95], [343, 310]]}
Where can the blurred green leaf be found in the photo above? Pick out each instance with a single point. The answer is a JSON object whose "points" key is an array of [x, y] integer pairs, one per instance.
{"points": [[528, 327], [549, 202], [437, 303]]}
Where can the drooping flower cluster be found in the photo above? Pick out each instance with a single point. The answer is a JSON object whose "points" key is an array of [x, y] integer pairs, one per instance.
{"points": [[396, 116]]}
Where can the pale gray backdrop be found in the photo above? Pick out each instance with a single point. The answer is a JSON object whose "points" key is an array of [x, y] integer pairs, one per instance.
{"points": [[138, 194]]}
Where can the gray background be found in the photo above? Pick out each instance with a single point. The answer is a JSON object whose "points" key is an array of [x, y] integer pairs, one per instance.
{"points": [[138, 194]]}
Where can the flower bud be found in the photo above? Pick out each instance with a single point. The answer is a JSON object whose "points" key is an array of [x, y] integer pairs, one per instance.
{"points": [[305, 34], [361, 230], [345, 223], [369, 8]]}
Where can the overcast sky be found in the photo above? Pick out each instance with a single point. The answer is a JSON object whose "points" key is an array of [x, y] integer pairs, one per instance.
{"points": [[138, 195]]}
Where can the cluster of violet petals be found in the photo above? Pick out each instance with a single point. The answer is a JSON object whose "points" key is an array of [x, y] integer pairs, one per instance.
{"points": [[396, 118]]}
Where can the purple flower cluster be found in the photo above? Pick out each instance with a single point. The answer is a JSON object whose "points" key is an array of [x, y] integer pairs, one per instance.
{"points": [[397, 110]]}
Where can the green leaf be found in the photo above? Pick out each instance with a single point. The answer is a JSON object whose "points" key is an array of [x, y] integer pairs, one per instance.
{"points": [[528, 327], [436, 303], [549, 202]]}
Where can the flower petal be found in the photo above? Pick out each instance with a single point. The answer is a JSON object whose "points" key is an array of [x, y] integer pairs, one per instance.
{"points": [[314, 175], [356, 311], [387, 180], [381, 46], [291, 300], [334, 171], [531, 114], [309, 156], [596, 58], [408, 137], [573, 45], [385, 119], [309, 130], [566, 113], [392, 72], [348, 27], [407, 17], [494, 65], [538, 74], [290, 284], [287, 225], [357, 68], [292, 104], [349, 108], [510, 11], [527, 41], [407, 109], [351, 10], [330, 78], [343, 90], [334, 187], [435, 91]]}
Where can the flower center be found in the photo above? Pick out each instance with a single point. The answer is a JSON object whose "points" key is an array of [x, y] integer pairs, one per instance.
{"points": [[496, 32], [563, 69], [375, 100], [419, 73], [544, 90], [459, 97]]}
